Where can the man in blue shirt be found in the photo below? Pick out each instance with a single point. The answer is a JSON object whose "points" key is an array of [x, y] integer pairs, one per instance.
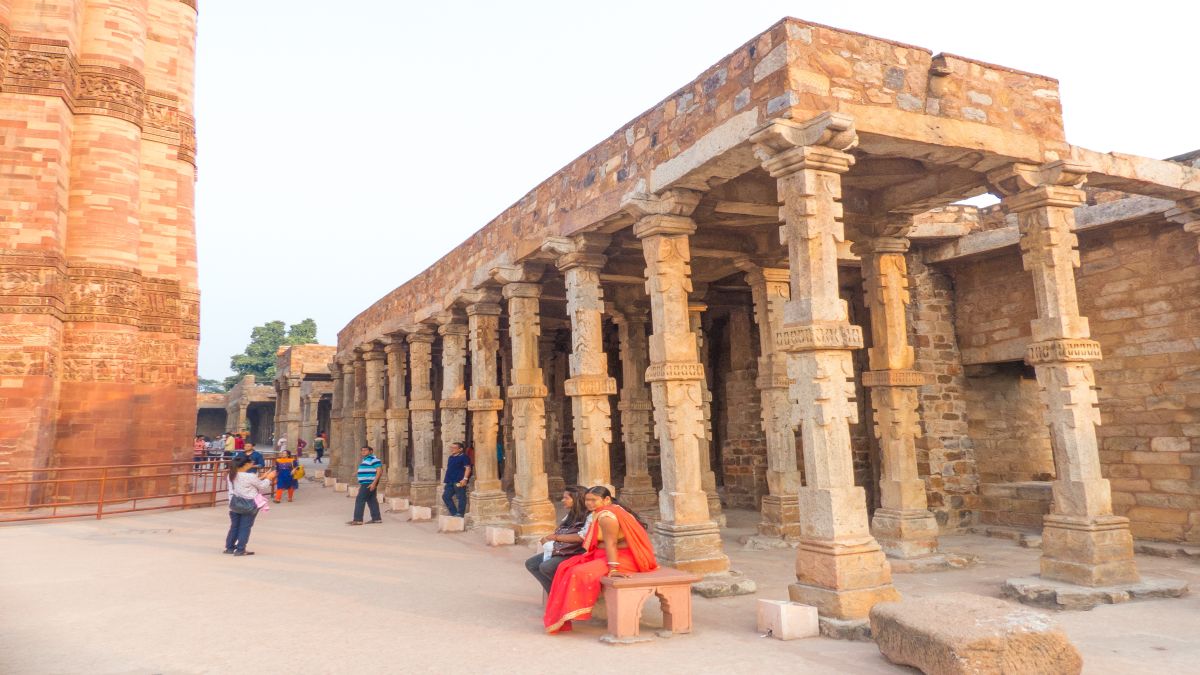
{"points": [[458, 472], [254, 456], [370, 469]]}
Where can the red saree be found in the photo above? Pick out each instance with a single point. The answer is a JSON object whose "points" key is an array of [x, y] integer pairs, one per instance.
{"points": [[576, 586]]}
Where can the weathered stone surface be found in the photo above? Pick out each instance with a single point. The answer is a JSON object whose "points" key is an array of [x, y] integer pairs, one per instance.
{"points": [[451, 524], [499, 536], [965, 633], [785, 620], [420, 513], [1053, 594]]}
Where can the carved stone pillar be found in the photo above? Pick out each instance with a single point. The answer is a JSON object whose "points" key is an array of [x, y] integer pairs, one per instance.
{"points": [[360, 401], [580, 259], [453, 401], [708, 477], [308, 418], [422, 408], [770, 289], [903, 524], [292, 417], [840, 568], [532, 511], [636, 408], [334, 449], [489, 505], [686, 535], [1082, 541], [349, 450], [552, 450], [376, 405], [398, 483]]}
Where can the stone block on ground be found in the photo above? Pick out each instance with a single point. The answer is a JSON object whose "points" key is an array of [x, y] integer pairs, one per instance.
{"points": [[965, 633], [330, 481], [499, 536], [724, 585], [420, 513], [786, 620], [339, 487], [1051, 594], [397, 504], [450, 524]]}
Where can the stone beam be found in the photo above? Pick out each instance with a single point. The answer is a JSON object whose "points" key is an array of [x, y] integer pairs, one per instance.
{"points": [[1139, 175]]}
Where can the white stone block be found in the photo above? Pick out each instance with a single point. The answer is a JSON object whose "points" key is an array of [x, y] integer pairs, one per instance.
{"points": [[397, 504], [330, 481], [339, 487], [451, 524], [420, 513], [499, 536], [787, 620]]}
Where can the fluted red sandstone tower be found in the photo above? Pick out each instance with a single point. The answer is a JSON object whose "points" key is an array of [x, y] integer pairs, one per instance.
{"points": [[99, 304]]}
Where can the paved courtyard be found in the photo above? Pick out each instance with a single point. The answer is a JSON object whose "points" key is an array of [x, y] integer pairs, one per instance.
{"points": [[153, 594]]}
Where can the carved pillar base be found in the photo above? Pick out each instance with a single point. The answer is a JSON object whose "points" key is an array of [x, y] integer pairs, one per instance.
{"points": [[1088, 552], [425, 493], [843, 580], [532, 519], [694, 548], [780, 517], [905, 534], [489, 507], [638, 494]]}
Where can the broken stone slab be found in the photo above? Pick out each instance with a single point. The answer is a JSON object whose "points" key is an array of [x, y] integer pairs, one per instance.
{"points": [[1163, 550], [786, 620], [339, 487], [964, 633], [855, 630], [499, 536], [938, 562], [420, 513], [1051, 594], [396, 504], [451, 524], [724, 585]]}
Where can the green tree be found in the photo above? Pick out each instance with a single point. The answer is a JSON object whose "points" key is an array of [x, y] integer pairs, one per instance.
{"points": [[207, 386], [259, 358]]}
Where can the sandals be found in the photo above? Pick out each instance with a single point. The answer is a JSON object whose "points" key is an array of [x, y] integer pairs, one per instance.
{"points": [[354, 522], [244, 553], [374, 522]]}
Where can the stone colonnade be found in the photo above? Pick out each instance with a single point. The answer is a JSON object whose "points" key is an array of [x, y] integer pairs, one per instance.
{"points": [[805, 378]]}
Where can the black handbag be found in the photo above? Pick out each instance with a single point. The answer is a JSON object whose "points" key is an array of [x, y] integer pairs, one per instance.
{"points": [[239, 504]]}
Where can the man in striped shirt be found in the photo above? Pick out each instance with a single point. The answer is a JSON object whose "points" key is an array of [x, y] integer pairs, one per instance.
{"points": [[370, 468]]}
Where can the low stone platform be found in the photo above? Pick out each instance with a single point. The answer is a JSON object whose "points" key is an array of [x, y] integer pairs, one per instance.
{"points": [[938, 562], [1041, 592], [724, 585], [966, 633]]}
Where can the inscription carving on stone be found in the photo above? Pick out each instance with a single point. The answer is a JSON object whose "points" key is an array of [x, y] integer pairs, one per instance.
{"points": [[662, 372], [894, 378], [117, 92], [36, 67], [1058, 351], [590, 385], [103, 294], [812, 338]]}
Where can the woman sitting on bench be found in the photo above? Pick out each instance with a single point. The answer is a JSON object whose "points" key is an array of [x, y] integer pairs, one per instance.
{"points": [[616, 544]]}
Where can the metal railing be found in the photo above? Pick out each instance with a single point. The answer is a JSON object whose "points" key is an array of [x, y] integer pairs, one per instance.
{"points": [[96, 491]]}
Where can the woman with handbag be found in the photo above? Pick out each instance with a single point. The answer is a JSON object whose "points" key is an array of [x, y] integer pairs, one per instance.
{"points": [[566, 540], [287, 478], [245, 490]]}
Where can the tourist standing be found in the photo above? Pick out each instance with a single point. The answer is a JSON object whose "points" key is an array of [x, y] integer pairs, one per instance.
{"points": [[566, 540], [230, 445], [319, 447], [370, 469], [281, 444], [253, 456], [243, 483], [458, 472], [301, 444], [239, 442], [615, 543], [285, 476]]}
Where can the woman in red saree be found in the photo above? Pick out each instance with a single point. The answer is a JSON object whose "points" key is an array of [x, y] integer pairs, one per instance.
{"points": [[615, 544]]}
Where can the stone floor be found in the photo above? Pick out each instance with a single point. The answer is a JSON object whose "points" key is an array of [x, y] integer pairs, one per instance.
{"points": [[153, 594]]}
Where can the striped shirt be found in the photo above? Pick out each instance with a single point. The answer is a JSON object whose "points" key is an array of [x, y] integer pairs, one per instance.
{"points": [[368, 468]]}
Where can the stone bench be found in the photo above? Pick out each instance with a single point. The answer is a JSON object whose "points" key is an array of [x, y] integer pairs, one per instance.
{"points": [[625, 597], [961, 633]]}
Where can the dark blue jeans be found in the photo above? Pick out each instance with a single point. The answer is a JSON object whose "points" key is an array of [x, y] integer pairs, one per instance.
{"points": [[366, 497], [450, 494], [239, 530]]}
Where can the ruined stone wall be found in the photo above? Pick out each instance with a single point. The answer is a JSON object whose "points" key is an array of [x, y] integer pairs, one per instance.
{"points": [[945, 452], [1140, 287], [99, 305]]}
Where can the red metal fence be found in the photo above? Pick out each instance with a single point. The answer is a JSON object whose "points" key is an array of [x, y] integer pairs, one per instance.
{"points": [[98, 491]]}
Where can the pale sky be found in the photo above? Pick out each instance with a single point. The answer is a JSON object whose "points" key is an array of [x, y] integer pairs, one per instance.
{"points": [[344, 147]]}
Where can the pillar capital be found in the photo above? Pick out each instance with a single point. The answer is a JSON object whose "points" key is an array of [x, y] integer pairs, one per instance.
{"points": [[675, 202], [581, 250], [820, 144], [521, 274], [394, 346], [372, 355], [1025, 187], [1186, 213], [482, 301], [452, 321], [422, 333], [294, 380]]}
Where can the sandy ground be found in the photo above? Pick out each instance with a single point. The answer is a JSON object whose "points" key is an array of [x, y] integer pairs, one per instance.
{"points": [[153, 594]]}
